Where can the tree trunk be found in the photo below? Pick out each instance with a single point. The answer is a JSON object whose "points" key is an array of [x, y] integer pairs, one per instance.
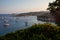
{"points": [[57, 18]]}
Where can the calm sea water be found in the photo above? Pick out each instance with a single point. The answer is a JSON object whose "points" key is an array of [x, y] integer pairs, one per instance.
{"points": [[16, 23]]}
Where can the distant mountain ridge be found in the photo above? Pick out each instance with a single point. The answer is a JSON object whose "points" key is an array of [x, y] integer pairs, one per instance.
{"points": [[33, 13], [41, 13]]}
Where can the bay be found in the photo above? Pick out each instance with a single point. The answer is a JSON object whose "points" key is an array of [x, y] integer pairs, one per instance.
{"points": [[16, 23]]}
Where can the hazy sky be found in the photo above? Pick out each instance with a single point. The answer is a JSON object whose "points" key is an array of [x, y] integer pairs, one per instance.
{"points": [[18, 6]]}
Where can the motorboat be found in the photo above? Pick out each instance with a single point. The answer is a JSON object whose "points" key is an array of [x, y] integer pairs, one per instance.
{"points": [[6, 24], [2, 17], [5, 20]]}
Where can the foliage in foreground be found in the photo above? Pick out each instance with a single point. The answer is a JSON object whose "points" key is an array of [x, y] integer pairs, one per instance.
{"points": [[35, 32]]}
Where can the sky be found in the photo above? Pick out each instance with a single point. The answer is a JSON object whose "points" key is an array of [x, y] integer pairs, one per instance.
{"points": [[20, 6]]}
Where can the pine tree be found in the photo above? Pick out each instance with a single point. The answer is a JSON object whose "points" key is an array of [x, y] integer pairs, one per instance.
{"points": [[54, 9]]}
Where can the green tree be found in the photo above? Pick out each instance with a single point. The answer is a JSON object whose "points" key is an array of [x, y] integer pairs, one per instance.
{"points": [[54, 9]]}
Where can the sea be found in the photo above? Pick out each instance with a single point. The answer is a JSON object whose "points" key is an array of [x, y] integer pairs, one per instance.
{"points": [[10, 23]]}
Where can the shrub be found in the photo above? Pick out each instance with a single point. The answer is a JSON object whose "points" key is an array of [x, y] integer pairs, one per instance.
{"points": [[35, 32]]}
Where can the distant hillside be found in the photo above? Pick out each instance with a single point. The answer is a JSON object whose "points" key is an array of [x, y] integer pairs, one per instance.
{"points": [[33, 13]]}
